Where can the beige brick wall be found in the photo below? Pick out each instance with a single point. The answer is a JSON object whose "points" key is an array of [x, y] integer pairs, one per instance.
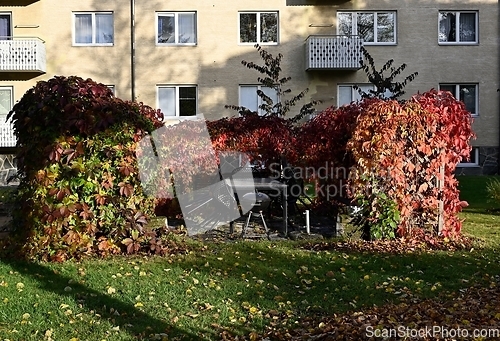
{"points": [[214, 64]]}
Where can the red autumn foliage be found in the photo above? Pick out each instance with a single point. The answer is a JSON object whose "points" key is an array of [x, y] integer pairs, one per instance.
{"points": [[401, 145], [264, 139], [408, 150]]}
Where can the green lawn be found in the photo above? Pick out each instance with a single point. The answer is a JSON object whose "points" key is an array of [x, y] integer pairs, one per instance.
{"points": [[238, 286], [482, 218]]}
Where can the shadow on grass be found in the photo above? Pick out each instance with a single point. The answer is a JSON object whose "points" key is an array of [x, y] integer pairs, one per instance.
{"points": [[290, 280], [134, 321], [334, 282]]}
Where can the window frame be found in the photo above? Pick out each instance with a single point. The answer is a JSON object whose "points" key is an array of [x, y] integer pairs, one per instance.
{"points": [[94, 32], [176, 27], [260, 112], [375, 26], [457, 92], [177, 99], [472, 163], [259, 38], [457, 22]]}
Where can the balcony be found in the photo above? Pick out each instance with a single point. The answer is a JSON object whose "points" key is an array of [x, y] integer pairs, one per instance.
{"points": [[330, 52], [17, 2], [22, 55], [315, 2]]}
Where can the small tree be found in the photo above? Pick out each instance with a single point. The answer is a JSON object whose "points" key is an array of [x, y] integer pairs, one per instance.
{"points": [[385, 86], [79, 191], [403, 152], [272, 79]]}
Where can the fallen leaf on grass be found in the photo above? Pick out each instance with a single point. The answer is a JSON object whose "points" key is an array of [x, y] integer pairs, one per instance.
{"points": [[470, 309]]}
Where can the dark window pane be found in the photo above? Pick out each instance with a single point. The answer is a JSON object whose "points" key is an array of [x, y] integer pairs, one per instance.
{"points": [[268, 27], [166, 29], [345, 23], [467, 27], [365, 26], [448, 87], [447, 29], [385, 27], [473, 156], [468, 96], [248, 27], [187, 101]]}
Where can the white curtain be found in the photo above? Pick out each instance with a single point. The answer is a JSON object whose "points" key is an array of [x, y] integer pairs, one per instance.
{"points": [[5, 103], [187, 28], [348, 94], [271, 93], [344, 95], [83, 28], [104, 28], [249, 98], [166, 100], [4, 27]]}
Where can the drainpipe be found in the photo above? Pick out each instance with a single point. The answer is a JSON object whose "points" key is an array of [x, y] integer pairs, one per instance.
{"points": [[132, 49]]}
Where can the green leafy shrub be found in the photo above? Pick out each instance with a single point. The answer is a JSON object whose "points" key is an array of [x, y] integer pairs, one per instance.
{"points": [[378, 217], [493, 190], [79, 189]]}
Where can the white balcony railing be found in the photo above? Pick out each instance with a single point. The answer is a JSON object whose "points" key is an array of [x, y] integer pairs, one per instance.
{"points": [[22, 54], [330, 52], [7, 137]]}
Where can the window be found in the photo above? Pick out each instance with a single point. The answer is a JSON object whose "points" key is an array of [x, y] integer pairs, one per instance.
{"points": [[348, 94], [466, 93], [176, 28], [373, 27], [261, 27], [473, 160], [112, 88], [94, 28], [250, 100], [458, 27], [5, 26], [177, 100], [5, 102]]}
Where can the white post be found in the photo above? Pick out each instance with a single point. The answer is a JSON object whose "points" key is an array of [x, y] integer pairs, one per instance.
{"points": [[308, 228]]}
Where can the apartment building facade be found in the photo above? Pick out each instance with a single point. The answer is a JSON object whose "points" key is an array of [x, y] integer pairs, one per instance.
{"points": [[184, 57]]}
